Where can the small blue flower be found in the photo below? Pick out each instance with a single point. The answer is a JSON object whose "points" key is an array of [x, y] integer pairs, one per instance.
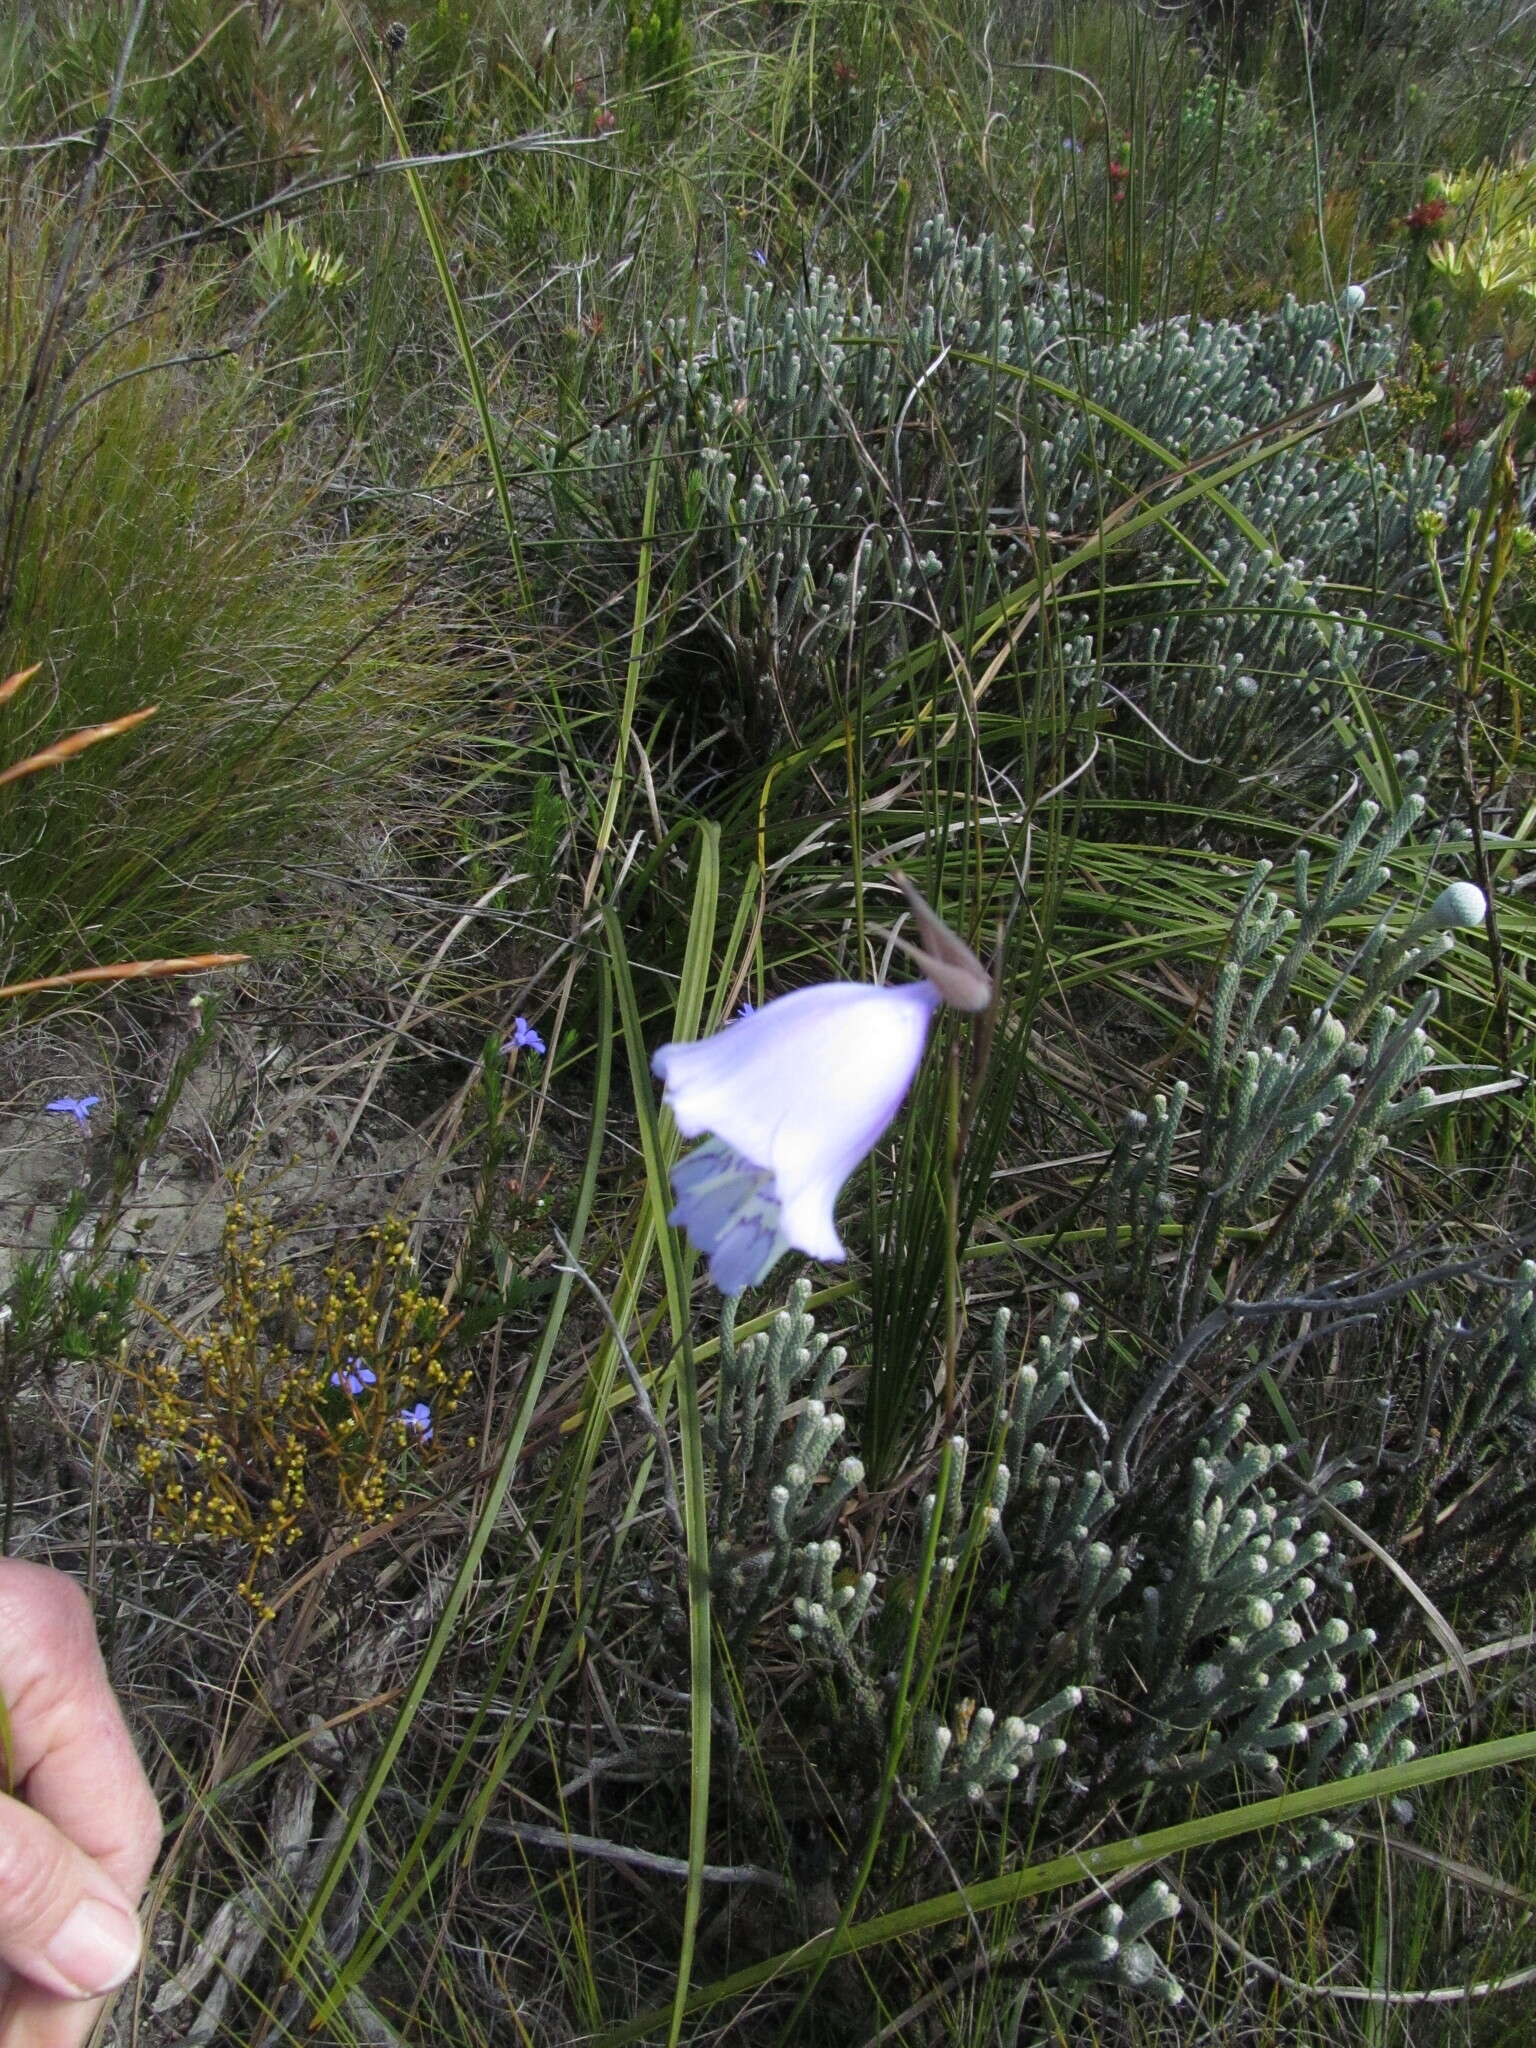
{"points": [[77, 1106], [747, 1010], [524, 1038], [355, 1378], [418, 1418], [760, 258]]}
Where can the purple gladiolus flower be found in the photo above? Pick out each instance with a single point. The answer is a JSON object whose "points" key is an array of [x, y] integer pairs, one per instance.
{"points": [[524, 1038], [355, 1378], [77, 1106], [793, 1097], [418, 1418]]}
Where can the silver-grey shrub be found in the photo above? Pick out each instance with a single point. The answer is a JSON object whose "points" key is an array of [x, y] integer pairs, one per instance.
{"points": [[831, 484], [1099, 1656], [1129, 1568]]}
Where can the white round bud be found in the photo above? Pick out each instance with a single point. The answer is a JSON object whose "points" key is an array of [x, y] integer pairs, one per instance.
{"points": [[1460, 906]]}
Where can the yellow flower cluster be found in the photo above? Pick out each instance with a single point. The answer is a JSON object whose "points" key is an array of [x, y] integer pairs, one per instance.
{"points": [[281, 1423]]}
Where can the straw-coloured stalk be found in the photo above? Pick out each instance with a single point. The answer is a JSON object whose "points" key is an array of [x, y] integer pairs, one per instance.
{"points": [[51, 757]]}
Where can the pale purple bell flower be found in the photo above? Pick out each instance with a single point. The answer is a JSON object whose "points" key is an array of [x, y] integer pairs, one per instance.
{"points": [[793, 1097]]}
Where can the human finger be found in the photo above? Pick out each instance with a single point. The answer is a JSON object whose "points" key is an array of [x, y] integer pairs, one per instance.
{"points": [[64, 1924], [73, 1760], [30, 2018]]}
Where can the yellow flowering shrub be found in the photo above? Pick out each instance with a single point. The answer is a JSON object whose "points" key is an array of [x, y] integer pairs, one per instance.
{"points": [[302, 1413]]}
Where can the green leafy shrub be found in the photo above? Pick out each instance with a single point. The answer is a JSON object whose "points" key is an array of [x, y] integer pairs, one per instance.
{"points": [[656, 55]]}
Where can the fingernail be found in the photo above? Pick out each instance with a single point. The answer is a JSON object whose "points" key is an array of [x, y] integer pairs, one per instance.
{"points": [[96, 1948]]}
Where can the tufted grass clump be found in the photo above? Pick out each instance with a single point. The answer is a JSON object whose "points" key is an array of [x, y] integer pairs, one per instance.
{"points": [[303, 1415], [167, 541]]}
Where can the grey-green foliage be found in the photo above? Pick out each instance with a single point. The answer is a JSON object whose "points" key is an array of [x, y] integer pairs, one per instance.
{"points": [[984, 1754], [1225, 1201], [1116, 1953], [834, 474], [1296, 1115], [1221, 1207], [1214, 1614], [1135, 1585], [771, 1491], [1235, 1564], [1243, 1582], [1203, 1608]]}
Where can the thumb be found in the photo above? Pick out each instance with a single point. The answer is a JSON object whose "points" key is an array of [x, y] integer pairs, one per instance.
{"points": [[64, 1924]]}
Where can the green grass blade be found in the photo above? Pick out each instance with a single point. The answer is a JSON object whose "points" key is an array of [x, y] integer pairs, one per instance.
{"points": [[634, 667], [695, 1507], [1087, 1865], [485, 1522], [454, 305]]}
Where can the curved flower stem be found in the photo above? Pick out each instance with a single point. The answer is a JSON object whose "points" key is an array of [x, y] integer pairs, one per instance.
{"points": [[952, 1279]]}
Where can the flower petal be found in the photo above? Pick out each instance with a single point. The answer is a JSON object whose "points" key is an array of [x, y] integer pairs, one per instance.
{"points": [[747, 1252], [524, 1037], [802, 1090], [79, 1107], [730, 1210], [843, 1048]]}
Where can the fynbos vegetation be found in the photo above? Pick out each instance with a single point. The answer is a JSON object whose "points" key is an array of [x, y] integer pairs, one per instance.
{"points": [[531, 535]]}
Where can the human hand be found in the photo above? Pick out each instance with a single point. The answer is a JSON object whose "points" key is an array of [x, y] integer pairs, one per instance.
{"points": [[80, 1834]]}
